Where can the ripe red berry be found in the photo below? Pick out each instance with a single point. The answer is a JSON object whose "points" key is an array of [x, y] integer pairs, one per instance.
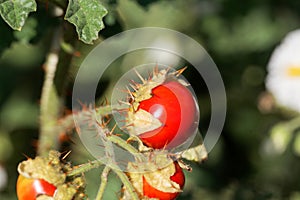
{"points": [[152, 192], [30, 189], [175, 107]]}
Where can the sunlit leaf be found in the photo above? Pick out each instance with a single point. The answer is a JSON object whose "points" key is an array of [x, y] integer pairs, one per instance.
{"points": [[87, 17], [16, 12]]}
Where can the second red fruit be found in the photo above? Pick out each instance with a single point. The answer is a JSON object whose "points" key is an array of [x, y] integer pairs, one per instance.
{"points": [[152, 192]]}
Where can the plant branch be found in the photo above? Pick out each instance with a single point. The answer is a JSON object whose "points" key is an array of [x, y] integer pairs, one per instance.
{"points": [[67, 123], [122, 143], [125, 180], [80, 169], [103, 184], [49, 101]]}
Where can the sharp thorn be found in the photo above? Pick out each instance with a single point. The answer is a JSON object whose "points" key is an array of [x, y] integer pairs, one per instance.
{"points": [[140, 77]]}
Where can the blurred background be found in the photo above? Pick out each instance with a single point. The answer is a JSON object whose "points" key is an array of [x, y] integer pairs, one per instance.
{"points": [[240, 36]]}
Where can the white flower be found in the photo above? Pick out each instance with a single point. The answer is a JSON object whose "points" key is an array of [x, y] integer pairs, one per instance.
{"points": [[283, 79]]}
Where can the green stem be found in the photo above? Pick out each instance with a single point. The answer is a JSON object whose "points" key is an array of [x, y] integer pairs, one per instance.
{"points": [[122, 143], [103, 184], [125, 180], [67, 123], [96, 164], [50, 102], [80, 169]]}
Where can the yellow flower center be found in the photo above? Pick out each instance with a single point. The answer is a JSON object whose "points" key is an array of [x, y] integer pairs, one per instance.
{"points": [[293, 71]]}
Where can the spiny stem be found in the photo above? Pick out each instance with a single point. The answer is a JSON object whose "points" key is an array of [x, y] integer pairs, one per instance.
{"points": [[80, 169], [103, 184], [122, 143], [67, 123], [95, 164], [127, 184]]}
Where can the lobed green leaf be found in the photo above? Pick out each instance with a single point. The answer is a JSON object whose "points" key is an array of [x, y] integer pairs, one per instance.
{"points": [[15, 12], [87, 17]]}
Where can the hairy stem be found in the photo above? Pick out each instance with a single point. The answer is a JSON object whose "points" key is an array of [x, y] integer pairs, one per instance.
{"points": [[122, 143], [104, 177], [49, 101], [127, 184], [80, 169], [67, 123]]}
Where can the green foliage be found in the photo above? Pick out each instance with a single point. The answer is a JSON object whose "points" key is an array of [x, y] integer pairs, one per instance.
{"points": [[87, 16], [258, 154], [157, 14], [28, 31], [252, 32], [16, 12]]}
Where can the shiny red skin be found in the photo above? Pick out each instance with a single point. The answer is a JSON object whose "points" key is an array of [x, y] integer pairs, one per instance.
{"points": [[152, 192], [174, 105], [30, 189]]}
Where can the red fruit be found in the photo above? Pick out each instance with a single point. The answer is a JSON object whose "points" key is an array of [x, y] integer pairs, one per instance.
{"points": [[175, 107], [30, 189], [152, 192]]}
